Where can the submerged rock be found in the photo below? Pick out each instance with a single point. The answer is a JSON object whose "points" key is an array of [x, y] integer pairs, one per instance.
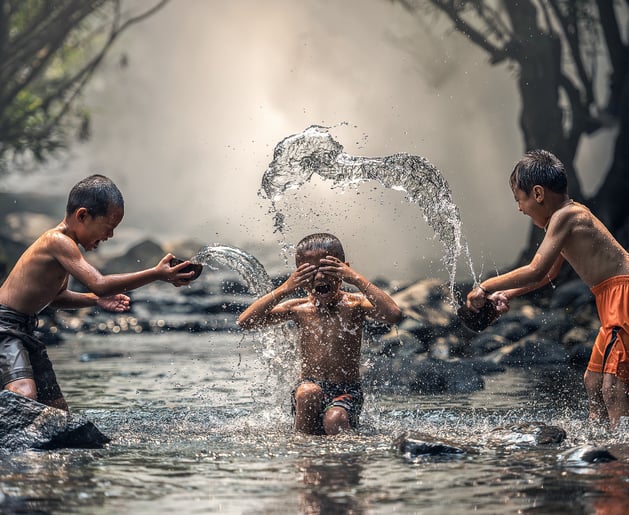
{"points": [[93, 356], [586, 455], [527, 434], [28, 424], [412, 445]]}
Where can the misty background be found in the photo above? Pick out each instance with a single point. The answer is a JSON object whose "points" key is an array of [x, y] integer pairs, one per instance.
{"points": [[189, 105]]}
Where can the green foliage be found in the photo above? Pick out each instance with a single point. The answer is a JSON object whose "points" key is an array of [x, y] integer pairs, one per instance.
{"points": [[48, 52]]}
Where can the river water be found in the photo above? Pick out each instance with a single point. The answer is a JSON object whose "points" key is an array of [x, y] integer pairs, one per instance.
{"points": [[199, 424]]}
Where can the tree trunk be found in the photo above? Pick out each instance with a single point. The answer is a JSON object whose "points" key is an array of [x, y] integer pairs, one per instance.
{"points": [[611, 201], [541, 117]]}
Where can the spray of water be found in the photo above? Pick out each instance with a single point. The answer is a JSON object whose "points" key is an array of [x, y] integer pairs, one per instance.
{"points": [[246, 265], [297, 158], [275, 345]]}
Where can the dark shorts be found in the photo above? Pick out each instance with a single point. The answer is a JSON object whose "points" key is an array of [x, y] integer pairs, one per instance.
{"points": [[24, 356], [348, 396]]}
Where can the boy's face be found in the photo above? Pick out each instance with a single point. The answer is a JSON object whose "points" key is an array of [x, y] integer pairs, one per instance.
{"points": [[324, 287], [94, 229], [530, 204]]}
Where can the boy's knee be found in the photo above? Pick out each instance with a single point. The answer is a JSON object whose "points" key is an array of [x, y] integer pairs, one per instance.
{"points": [[335, 420], [615, 391], [23, 387], [593, 381], [309, 392]]}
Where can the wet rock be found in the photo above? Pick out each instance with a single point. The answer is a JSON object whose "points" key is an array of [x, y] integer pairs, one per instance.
{"points": [[396, 342], [580, 355], [143, 255], [412, 445], [486, 367], [514, 329], [553, 324], [586, 455], [527, 434], [425, 303], [478, 320], [571, 294], [95, 356], [530, 351], [578, 335], [432, 376], [486, 343], [25, 424]]}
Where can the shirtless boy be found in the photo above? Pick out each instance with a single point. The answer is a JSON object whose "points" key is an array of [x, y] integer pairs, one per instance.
{"points": [[573, 234], [40, 278], [328, 397]]}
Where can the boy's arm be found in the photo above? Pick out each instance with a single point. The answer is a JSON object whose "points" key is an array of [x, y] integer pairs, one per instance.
{"points": [[380, 304], [67, 253], [68, 299], [542, 269], [552, 274], [267, 310]]}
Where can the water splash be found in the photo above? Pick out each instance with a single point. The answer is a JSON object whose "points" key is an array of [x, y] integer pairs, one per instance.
{"points": [[275, 345], [297, 158], [247, 266]]}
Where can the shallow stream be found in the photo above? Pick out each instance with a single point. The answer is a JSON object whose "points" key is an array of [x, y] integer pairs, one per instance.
{"points": [[199, 425]]}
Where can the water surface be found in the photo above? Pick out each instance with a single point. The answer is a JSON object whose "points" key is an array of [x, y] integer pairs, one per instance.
{"points": [[199, 425]]}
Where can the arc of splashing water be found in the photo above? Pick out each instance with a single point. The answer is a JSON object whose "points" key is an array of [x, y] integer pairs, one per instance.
{"points": [[297, 158], [246, 265]]}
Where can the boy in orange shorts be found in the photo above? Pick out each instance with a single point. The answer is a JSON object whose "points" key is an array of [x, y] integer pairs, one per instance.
{"points": [[574, 234]]}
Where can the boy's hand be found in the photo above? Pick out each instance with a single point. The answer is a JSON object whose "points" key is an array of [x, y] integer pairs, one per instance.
{"points": [[173, 274], [336, 268], [476, 299], [500, 300], [301, 277], [116, 303]]}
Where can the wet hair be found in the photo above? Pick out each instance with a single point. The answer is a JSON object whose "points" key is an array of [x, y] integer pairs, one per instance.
{"points": [[539, 167], [320, 241], [95, 193]]}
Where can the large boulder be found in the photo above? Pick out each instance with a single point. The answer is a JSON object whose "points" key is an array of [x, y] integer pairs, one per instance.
{"points": [[28, 424]]}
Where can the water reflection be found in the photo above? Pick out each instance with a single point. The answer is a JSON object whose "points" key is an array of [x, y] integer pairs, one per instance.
{"points": [[31, 482], [330, 486]]}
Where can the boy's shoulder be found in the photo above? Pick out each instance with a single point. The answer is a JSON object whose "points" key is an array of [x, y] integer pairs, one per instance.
{"points": [[54, 241], [54, 236]]}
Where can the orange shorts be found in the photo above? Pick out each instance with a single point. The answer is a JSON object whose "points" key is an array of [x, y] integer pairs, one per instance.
{"points": [[611, 348]]}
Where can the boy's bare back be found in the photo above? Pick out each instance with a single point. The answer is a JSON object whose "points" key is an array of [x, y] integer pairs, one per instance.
{"points": [[594, 254], [37, 277]]}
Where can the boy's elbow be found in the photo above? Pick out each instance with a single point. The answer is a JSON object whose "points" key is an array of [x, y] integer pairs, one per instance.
{"points": [[395, 316], [99, 288], [539, 276]]}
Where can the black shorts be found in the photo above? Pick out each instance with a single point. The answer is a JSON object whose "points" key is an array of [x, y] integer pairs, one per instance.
{"points": [[348, 396], [24, 356]]}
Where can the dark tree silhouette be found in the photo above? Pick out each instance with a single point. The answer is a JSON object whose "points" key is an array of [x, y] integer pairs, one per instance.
{"points": [[49, 49], [562, 51]]}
